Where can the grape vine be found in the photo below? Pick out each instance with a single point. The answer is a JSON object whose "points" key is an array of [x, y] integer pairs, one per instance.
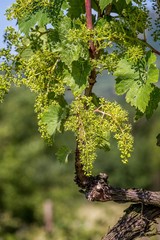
{"points": [[52, 57]]}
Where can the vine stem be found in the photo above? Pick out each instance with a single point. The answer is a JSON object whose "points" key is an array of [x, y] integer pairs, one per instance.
{"points": [[80, 178], [150, 46], [88, 14], [92, 48], [144, 41], [89, 23]]}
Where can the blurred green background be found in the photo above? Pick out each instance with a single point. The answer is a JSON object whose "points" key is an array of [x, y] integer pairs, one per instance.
{"points": [[38, 197]]}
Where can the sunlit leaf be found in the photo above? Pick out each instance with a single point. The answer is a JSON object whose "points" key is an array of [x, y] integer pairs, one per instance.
{"points": [[139, 96], [53, 117], [153, 74], [125, 71], [151, 58]]}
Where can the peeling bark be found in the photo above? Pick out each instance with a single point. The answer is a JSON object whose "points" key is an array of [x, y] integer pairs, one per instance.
{"points": [[136, 222], [100, 190], [138, 218]]}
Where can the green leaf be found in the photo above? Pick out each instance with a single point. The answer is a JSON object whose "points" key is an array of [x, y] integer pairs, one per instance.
{"points": [[151, 58], [63, 153], [153, 103], [104, 3], [153, 74], [80, 71], [139, 95], [40, 18], [77, 78], [122, 86], [152, 71], [77, 8], [120, 6], [63, 27], [126, 76], [73, 51], [125, 71], [54, 11], [53, 118], [94, 5]]}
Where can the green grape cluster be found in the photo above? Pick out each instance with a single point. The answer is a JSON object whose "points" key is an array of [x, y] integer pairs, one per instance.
{"points": [[21, 8], [82, 121], [41, 73], [136, 18], [44, 77], [106, 61], [4, 87], [135, 53], [6, 76], [41, 105], [92, 127], [116, 119]]}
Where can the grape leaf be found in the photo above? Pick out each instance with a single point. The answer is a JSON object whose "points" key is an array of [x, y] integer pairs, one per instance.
{"points": [[151, 58], [120, 5], [125, 71], [152, 70], [73, 51], [153, 74], [53, 118], [104, 3], [54, 11], [80, 71], [126, 76], [40, 18], [153, 103], [76, 8], [77, 78], [138, 92], [122, 86], [63, 153], [63, 27], [139, 96]]}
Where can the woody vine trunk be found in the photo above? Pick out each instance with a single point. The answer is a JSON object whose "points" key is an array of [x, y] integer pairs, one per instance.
{"points": [[138, 219]]}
